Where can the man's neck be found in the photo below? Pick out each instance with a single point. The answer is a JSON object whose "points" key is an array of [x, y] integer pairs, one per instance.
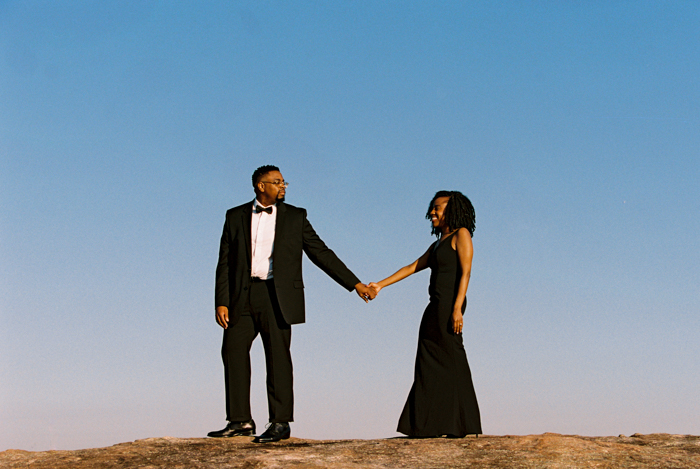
{"points": [[264, 205]]}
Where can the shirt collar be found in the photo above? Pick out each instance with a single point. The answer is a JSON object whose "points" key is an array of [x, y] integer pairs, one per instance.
{"points": [[256, 202]]}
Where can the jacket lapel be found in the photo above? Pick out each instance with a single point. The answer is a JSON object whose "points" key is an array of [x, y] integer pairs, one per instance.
{"points": [[245, 219], [279, 227]]}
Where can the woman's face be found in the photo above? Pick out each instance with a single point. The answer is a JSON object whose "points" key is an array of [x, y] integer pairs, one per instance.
{"points": [[437, 213]]}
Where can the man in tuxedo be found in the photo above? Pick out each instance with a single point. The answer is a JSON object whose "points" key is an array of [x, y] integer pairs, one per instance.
{"points": [[260, 290]]}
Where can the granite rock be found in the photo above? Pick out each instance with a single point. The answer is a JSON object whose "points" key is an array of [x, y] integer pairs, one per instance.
{"points": [[548, 450]]}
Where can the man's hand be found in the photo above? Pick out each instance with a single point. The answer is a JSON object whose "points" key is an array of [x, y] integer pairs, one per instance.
{"points": [[375, 286], [222, 316], [364, 292]]}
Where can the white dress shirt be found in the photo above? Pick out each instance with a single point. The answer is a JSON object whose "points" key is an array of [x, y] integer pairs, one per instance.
{"points": [[262, 236]]}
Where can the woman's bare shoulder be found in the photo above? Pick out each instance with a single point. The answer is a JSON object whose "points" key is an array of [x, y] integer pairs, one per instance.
{"points": [[462, 236]]}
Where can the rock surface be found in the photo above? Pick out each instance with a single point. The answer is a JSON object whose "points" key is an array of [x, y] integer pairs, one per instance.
{"points": [[549, 450]]}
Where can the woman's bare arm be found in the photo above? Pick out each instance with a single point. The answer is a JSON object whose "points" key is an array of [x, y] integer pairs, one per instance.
{"points": [[418, 265], [462, 242]]}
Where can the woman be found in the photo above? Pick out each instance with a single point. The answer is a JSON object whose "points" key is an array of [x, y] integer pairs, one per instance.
{"points": [[442, 401]]}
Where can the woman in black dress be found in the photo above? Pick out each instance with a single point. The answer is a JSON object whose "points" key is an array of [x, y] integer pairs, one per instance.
{"points": [[442, 401]]}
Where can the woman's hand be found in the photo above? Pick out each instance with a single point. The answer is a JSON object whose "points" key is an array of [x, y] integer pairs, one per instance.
{"points": [[457, 321], [375, 286]]}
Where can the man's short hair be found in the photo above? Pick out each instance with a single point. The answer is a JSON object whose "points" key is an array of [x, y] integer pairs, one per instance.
{"points": [[262, 170]]}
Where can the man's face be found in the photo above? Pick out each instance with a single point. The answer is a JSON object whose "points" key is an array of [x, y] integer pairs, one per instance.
{"points": [[271, 186]]}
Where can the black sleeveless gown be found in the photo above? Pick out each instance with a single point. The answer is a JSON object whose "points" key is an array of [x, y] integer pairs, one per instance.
{"points": [[442, 400]]}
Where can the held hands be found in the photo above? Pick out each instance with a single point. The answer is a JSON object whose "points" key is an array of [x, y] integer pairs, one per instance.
{"points": [[365, 292]]}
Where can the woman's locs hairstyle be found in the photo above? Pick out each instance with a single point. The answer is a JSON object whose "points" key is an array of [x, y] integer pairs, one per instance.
{"points": [[459, 212]]}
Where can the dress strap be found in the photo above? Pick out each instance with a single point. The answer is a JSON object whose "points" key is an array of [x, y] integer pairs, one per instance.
{"points": [[441, 240]]}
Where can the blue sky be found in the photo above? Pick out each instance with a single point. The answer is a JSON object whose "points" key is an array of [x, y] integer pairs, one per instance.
{"points": [[128, 128]]}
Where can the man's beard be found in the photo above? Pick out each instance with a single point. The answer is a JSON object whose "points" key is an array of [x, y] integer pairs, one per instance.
{"points": [[280, 198]]}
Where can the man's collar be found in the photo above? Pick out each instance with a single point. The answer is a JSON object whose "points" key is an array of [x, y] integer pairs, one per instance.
{"points": [[256, 202]]}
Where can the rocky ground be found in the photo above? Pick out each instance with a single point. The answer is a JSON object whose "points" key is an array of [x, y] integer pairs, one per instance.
{"points": [[532, 451]]}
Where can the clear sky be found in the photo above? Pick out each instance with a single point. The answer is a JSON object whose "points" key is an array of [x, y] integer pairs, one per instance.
{"points": [[128, 128]]}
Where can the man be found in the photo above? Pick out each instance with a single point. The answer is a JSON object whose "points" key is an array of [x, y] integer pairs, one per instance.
{"points": [[259, 290]]}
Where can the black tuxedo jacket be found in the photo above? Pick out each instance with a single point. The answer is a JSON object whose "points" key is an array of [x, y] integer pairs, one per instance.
{"points": [[293, 235]]}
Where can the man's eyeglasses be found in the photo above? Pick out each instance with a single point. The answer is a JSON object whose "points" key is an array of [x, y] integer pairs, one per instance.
{"points": [[277, 183]]}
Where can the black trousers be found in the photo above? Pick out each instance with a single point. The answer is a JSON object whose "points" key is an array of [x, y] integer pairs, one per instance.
{"points": [[264, 318]]}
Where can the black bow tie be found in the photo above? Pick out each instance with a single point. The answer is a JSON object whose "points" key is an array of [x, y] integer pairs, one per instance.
{"points": [[258, 209]]}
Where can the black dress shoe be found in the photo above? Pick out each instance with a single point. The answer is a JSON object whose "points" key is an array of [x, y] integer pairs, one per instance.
{"points": [[275, 432], [235, 429]]}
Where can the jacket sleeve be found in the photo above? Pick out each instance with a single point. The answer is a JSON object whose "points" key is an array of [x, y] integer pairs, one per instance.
{"points": [[325, 259], [221, 294]]}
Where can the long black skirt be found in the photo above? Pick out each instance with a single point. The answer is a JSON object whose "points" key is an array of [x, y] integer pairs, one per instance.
{"points": [[442, 400]]}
